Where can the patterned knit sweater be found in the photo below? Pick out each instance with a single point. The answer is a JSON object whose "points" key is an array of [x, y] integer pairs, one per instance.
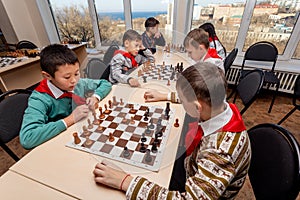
{"points": [[216, 169]]}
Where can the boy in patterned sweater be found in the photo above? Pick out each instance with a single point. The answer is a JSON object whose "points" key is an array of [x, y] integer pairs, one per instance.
{"points": [[219, 158], [127, 59], [58, 101]]}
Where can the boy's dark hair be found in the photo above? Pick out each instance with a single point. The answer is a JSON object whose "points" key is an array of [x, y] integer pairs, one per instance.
{"points": [[56, 55], [196, 37], [151, 22], [204, 81], [131, 35]]}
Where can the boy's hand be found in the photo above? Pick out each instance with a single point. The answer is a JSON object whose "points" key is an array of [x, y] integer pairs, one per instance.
{"points": [[134, 82], [91, 101], [108, 174], [154, 95], [157, 35], [78, 113]]}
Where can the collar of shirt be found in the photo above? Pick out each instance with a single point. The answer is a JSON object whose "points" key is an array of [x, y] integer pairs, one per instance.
{"points": [[55, 90], [217, 122]]}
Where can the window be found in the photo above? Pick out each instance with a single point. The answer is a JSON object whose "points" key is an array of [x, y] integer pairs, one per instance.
{"points": [[161, 10], [225, 17], [297, 52], [272, 22], [111, 21], [73, 21]]}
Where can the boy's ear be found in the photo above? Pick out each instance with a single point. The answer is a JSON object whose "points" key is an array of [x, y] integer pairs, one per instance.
{"points": [[126, 43], [198, 105], [46, 75]]}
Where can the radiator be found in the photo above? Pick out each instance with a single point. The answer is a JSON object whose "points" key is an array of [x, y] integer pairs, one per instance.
{"points": [[287, 79]]}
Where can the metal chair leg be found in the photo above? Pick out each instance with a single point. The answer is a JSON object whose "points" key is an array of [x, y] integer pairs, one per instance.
{"points": [[287, 115], [273, 99], [12, 154]]}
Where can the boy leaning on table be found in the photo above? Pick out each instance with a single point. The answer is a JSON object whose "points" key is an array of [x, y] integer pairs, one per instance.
{"points": [[127, 59], [59, 100], [220, 150], [196, 44]]}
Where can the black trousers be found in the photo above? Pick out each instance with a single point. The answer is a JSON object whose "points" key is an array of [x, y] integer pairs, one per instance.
{"points": [[178, 178]]}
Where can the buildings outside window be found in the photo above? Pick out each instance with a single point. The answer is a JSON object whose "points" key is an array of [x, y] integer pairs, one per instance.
{"points": [[226, 18], [272, 21]]}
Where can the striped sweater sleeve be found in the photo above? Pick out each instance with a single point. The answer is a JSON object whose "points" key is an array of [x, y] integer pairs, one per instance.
{"points": [[215, 170]]}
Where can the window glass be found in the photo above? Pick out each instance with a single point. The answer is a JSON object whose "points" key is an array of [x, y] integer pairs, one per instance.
{"points": [[226, 18], [161, 10], [73, 21], [297, 52], [111, 21], [272, 22]]}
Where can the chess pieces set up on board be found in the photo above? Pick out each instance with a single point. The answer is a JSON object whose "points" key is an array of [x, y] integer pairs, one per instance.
{"points": [[174, 47], [158, 128], [161, 72]]}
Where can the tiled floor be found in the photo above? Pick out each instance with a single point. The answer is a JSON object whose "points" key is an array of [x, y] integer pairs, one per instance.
{"points": [[256, 114]]}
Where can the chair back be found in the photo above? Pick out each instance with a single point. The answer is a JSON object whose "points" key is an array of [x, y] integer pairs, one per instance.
{"points": [[296, 98], [274, 169], [230, 59], [24, 44], [249, 87], [97, 69], [12, 106], [261, 51], [110, 53]]}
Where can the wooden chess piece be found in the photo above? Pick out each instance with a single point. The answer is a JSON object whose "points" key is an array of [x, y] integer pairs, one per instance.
{"points": [[109, 104], [176, 124], [132, 120], [76, 138], [111, 137], [90, 125], [88, 141], [106, 111], [169, 83], [121, 102], [126, 152], [132, 111], [85, 131], [115, 101], [102, 116], [96, 121], [100, 129], [148, 157]]}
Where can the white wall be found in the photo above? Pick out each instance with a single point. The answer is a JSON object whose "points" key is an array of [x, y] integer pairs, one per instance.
{"points": [[23, 22]]}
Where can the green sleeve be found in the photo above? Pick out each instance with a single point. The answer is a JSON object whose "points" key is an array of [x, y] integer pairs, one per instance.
{"points": [[36, 127]]}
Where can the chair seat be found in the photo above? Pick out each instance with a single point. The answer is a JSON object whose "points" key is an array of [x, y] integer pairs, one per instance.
{"points": [[270, 77]]}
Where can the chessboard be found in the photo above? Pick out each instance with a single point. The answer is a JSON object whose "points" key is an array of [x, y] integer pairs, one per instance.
{"points": [[5, 61], [161, 72], [132, 133]]}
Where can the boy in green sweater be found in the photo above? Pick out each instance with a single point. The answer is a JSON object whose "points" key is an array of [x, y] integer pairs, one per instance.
{"points": [[58, 102]]}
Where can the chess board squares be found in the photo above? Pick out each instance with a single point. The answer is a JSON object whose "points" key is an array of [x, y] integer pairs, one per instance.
{"points": [[145, 159], [87, 142]]}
